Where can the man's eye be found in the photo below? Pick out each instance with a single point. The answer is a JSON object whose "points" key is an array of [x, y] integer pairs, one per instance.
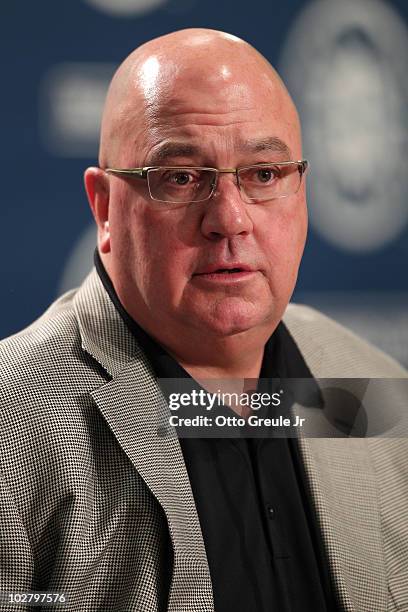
{"points": [[179, 178], [265, 175]]}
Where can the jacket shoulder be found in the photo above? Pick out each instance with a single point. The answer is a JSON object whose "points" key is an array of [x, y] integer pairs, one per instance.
{"points": [[45, 360], [55, 330], [332, 350]]}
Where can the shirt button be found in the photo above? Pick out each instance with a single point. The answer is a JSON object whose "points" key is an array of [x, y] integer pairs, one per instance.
{"points": [[271, 512]]}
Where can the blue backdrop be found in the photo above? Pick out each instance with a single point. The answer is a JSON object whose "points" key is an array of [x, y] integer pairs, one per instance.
{"points": [[345, 64]]}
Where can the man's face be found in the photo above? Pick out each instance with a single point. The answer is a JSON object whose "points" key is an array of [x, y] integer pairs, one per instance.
{"points": [[163, 257]]}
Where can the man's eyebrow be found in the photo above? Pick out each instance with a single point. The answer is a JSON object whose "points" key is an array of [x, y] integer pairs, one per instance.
{"points": [[271, 143], [172, 149], [184, 149]]}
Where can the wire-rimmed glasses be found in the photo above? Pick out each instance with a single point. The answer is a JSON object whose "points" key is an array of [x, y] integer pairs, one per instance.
{"points": [[182, 185]]}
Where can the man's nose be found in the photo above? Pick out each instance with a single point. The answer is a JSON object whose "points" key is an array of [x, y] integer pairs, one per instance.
{"points": [[226, 214]]}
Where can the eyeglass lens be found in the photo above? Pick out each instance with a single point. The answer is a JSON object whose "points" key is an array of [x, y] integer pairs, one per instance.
{"points": [[184, 185]]}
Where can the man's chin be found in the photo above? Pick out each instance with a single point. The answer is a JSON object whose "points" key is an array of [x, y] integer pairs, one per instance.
{"points": [[234, 317]]}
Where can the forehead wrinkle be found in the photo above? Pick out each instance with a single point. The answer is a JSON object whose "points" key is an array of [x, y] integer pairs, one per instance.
{"points": [[192, 112], [163, 111], [187, 124]]}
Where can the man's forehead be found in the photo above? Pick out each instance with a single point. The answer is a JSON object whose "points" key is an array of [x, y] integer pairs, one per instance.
{"points": [[237, 99], [166, 95]]}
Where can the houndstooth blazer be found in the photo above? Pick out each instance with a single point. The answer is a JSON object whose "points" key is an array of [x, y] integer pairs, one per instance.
{"points": [[90, 491]]}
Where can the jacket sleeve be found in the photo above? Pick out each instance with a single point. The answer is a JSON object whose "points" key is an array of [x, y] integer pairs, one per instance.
{"points": [[16, 558]]}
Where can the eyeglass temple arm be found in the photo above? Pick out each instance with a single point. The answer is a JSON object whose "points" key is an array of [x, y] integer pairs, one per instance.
{"points": [[135, 172]]}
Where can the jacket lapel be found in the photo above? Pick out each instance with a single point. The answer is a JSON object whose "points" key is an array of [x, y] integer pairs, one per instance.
{"points": [[137, 413], [343, 487]]}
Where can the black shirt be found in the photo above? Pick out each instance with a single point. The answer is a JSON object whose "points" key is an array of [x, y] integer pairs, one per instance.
{"points": [[263, 544]]}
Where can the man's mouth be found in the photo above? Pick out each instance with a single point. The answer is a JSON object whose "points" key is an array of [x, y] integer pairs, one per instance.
{"points": [[224, 268], [228, 270], [231, 273]]}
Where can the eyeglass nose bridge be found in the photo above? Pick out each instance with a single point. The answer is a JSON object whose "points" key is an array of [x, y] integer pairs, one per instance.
{"points": [[217, 172]]}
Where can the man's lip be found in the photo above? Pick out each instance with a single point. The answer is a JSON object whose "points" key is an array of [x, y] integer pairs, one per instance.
{"points": [[224, 266]]}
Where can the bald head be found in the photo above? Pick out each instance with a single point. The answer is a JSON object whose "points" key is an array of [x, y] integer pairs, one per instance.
{"points": [[152, 80]]}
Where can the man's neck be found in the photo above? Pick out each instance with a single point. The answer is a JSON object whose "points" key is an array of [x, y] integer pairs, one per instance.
{"points": [[245, 367]]}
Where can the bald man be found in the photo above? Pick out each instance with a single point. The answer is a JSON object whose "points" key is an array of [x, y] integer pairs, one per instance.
{"points": [[199, 202]]}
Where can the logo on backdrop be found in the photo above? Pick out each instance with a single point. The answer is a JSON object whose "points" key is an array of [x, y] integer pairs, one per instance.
{"points": [[345, 65], [126, 8], [71, 102]]}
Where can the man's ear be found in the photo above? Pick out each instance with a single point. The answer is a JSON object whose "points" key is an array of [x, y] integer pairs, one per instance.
{"points": [[97, 190]]}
